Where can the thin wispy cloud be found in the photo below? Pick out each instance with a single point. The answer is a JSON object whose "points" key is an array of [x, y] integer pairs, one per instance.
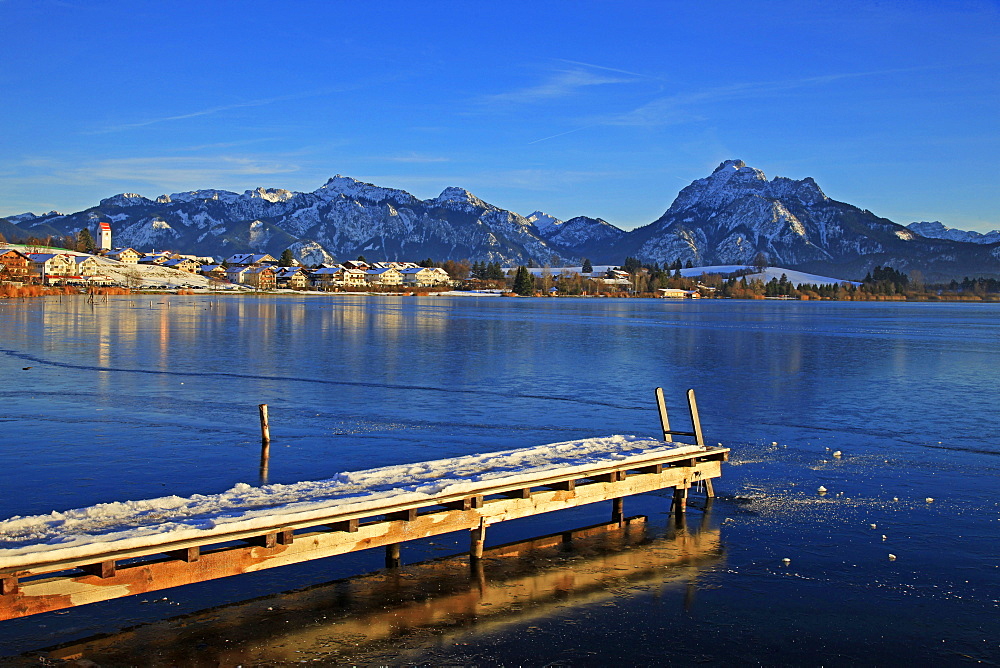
{"points": [[691, 106], [608, 69], [558, 85], [219, 145], [686, 107], [214, 110], [560, 134], [416, 158], [158, 172]]}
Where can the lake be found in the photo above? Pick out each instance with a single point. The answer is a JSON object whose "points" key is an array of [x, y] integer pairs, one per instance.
{"points": [[146, 396]]}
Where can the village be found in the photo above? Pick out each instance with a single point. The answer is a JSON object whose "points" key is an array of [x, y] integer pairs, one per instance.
{"points": [[107, 267]]}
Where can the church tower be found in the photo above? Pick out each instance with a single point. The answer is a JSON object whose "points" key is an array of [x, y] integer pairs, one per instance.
{"points": [[105, 241]]}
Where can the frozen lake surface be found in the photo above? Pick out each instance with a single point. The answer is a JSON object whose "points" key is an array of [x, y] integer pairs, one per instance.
{"points": [[146, 397]]}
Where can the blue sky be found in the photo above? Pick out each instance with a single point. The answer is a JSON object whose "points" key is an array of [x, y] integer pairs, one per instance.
{"points": [[603, 109]]}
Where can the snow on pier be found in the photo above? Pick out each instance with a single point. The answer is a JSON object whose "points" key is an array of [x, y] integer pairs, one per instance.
{"points": [[132, 524], [74, 557]]}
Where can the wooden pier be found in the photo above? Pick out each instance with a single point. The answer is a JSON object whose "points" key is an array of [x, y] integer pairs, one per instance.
{"points": [[36, 583]]}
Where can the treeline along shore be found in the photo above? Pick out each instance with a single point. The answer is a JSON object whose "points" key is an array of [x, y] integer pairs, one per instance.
{"points": [[27, 273]]}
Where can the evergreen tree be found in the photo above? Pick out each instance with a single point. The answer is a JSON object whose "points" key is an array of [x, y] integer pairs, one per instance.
{"points": [[587, 268], [524, 282], [85, 242], [286, 258], [361, 258], [632, 265], [689, 264]]}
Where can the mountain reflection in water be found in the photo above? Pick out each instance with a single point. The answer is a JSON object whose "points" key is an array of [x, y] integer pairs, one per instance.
{"points": [[368, 616]]}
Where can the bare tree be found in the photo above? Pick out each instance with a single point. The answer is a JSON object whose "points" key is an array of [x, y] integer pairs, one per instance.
{"points": [[133, 277]]}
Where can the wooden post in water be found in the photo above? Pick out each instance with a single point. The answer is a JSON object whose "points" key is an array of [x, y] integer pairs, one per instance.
{"points": [[477, 540], [265, 443], [392, 556], [265, 428], [618, 511], [680, 500]]}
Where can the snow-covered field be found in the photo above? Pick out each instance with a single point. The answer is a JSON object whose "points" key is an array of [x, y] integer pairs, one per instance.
{"points": [[127, 525], [796, 277]]}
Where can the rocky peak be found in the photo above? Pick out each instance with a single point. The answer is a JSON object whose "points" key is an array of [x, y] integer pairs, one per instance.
{"points": [[453, 195], [270, 194], [125, 199], [354, 189], [543, 221]]}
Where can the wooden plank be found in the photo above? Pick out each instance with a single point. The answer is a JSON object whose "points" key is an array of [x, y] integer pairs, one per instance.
{"points": [[58, 592]]}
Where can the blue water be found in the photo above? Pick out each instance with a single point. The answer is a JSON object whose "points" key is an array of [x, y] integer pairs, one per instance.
{"points": [[142, 397]]}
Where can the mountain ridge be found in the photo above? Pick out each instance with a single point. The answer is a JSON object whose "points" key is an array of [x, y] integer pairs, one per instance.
{"points": [[727, 217]]}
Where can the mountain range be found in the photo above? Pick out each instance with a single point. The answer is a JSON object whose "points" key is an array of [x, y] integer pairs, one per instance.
{"points": [[728, 217]]}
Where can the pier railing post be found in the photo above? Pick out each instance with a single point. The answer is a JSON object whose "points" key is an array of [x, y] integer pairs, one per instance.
{"points": [[669, 433], [695, 420], [661, 406]]}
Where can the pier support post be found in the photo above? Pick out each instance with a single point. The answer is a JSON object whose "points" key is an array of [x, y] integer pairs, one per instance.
{"points": [[679, 503], [618, 511], [477, 538], [392, 556]]}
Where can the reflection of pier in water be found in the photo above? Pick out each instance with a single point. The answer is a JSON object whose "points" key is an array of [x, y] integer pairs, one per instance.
{"points": [[513, 584]]}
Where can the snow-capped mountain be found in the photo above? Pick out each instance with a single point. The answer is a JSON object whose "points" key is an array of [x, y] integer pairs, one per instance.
{"points": [[342, 219], [725, 218], [585, 237], [544, 223], [735, 213], [937, 230]]}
